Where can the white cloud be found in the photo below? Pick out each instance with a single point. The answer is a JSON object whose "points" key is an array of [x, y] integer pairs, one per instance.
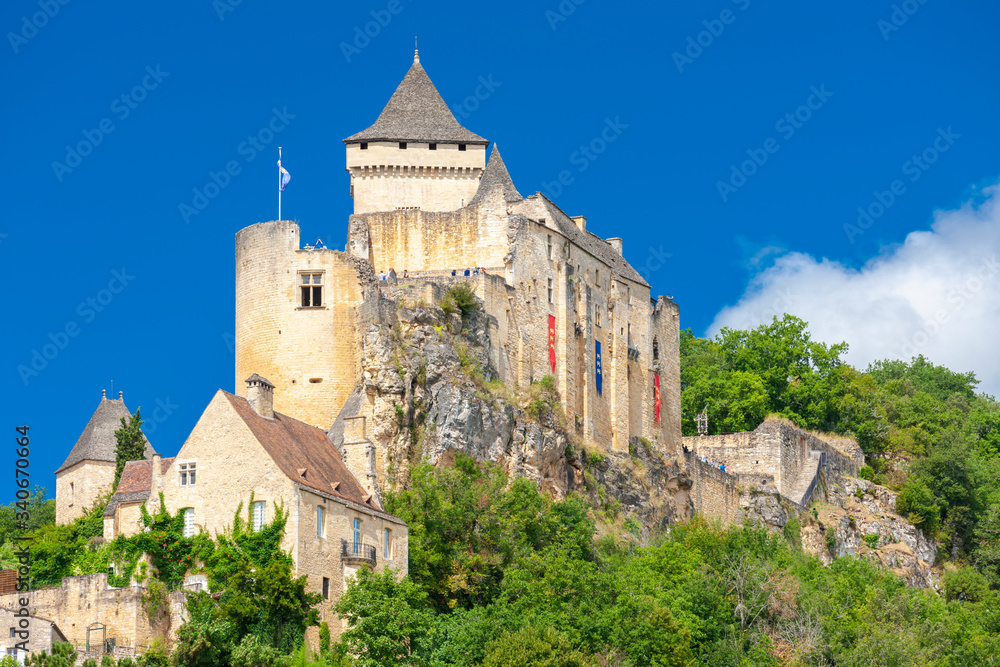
{"points": [[937, 294]]}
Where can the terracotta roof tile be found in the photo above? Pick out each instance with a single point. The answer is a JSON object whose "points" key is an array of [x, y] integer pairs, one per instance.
{"points": [[295, 445]]}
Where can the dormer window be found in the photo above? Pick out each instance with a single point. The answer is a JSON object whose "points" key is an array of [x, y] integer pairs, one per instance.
{"points": [[188, 473], [432, 147], [364, 145], [461, 147], [402, 145]]}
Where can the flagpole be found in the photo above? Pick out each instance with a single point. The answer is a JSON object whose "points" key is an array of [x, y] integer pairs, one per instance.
{"points": [[279, 182]]}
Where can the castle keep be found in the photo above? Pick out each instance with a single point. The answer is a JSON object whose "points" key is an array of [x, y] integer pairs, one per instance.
{"points": [[561, 301]]}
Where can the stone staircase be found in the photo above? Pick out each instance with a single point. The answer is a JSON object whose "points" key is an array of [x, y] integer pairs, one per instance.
{"points": [[802, 488]]}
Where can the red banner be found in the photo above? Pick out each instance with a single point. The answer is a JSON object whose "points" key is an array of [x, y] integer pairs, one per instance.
{"points": [[656, 395], [552, 341]]}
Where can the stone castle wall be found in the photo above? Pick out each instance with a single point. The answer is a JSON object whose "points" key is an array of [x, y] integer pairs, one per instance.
{"points": [[776, 455], [80, 486], [84, 600], [312, 355], [714, 493], [417, 240]]}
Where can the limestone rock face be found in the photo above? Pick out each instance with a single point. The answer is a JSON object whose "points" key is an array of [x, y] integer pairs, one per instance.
{"points": [[430, 392], [866, 526]]}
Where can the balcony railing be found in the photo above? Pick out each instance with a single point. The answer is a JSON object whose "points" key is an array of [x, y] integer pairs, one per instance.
{"points": [[355, 552]]}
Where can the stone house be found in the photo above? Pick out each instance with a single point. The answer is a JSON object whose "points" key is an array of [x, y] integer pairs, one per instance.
{"points": [[32, 632], [243, 454], [88, 472]]}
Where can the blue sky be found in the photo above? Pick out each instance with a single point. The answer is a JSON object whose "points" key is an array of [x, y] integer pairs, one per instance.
{"points": [[830, 103]]}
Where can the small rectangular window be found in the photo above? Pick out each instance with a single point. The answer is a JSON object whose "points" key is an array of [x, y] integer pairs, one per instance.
{"points": [[13, 632], [402, 145], [320, 521], [259, 515], [364, 145], [432, 147], [549, 245], [326, 588], [550, 290], [312, 290], [357, 534], [188, 473], [597, 316], [461, 147], [188, 522], [387, 544]]}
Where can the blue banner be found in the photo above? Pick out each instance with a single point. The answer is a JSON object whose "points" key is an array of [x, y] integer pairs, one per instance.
{"points": [[597, 360]]}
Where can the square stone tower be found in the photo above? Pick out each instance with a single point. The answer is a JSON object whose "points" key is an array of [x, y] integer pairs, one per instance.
{"points": [[416, 155]]}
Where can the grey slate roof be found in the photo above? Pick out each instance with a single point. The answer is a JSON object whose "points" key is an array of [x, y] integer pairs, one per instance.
{"points": [[417, 112], [97, 442], [496, 176], [592, 243]]}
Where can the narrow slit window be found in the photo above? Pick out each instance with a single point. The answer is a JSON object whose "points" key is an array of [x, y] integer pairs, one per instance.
{"points": [[549, 245], [357, 534], [326, 588], [259, 515], [312, 290], [550, 290], [387, 544], [189, 522], [320, 521]]}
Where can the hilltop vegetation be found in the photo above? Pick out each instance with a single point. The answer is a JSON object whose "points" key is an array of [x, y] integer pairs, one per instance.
{"points": [[924, 429]]}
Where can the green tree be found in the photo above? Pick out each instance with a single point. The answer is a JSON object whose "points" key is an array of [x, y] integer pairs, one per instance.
{"points": [[41, 512], [386, 619], [531, 647], [131, 444]]}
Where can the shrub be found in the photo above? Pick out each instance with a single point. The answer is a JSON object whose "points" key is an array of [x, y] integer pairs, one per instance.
{"points": [[871, 540], [866, 472], [916, 503], [965, 583], [792, 531], [462, 297], [831, 540]]}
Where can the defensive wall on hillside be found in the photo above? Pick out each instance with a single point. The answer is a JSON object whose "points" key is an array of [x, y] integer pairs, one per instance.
{"points": [[775, 457], [86, 600]]}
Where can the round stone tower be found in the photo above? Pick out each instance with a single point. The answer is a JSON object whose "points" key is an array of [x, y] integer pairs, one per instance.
{"points": [[300, 313]]}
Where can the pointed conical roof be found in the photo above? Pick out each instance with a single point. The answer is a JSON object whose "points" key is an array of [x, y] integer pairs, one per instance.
{"points": [[97, 442], [496, 177], [417, 112]]}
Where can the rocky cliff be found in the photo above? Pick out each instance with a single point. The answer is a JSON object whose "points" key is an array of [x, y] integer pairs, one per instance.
{"points": [[429, 392]]}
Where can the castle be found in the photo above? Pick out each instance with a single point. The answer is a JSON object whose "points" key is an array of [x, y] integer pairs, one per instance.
{"points": [[560, 300], [429, 206]]}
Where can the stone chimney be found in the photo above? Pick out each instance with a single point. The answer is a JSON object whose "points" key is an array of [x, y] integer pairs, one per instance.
{"points": [[580, 221], [616, 243], [260, 396]]}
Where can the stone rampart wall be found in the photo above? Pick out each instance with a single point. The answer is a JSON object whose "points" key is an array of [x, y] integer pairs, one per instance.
{"points": [[714, 493]]}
